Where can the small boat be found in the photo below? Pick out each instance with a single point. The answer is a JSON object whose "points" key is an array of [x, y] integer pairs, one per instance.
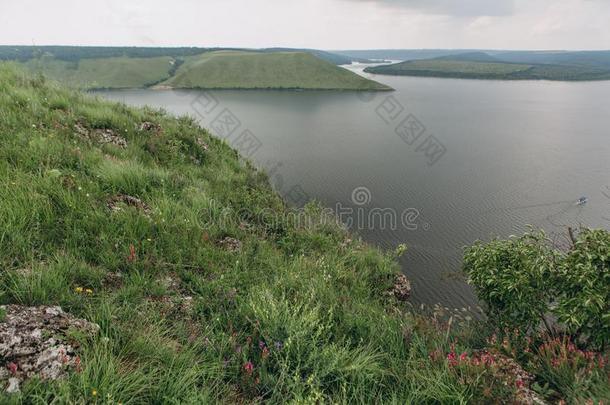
{"points": [[582, 200]]}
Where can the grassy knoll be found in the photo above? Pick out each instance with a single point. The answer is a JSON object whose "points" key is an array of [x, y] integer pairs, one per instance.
{"points": [[106, 73], [468, 68], [257, 70], [205, 287]]}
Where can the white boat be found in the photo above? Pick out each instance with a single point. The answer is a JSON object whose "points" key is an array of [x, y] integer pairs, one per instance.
{"points": [[582, 200]]}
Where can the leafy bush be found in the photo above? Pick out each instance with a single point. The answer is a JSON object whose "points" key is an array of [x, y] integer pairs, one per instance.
{"points": [[583, 287], [523, 280], [512, 278]]}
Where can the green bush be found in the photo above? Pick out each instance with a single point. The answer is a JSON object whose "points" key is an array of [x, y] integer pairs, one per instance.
{"points": [[583, 287], [524, 280], [512, 278]]}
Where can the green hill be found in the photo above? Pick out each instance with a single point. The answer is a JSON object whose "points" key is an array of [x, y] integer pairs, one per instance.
{"points": [[480, 65], [88, 68], [258, 70], [105, 73]]}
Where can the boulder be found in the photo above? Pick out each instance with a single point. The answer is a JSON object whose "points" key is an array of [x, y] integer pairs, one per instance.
{"points": [[34, 343]]}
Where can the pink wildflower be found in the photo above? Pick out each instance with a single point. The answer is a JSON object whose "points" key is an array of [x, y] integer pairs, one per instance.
{"points": [[464, 356], [451, 359], [249, 367], [12, 367]]}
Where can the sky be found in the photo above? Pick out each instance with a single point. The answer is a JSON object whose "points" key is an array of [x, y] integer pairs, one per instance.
{"points": [[322, 24]]}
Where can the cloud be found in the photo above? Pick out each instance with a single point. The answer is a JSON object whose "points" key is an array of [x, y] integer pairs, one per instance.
{"points": [[458, 8]]}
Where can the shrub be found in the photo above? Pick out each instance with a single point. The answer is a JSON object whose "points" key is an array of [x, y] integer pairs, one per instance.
{"points": [[523, 280], [583, 287], [512, 278]]}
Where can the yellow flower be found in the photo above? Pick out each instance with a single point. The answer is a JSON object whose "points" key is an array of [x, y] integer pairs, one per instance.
{"points": [[89, 291], [79, 289], [94, 393]]}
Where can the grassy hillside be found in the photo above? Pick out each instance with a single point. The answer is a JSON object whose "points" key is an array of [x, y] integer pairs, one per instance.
{"points": [[207, 274], [256, 70], [479, 65], [207, 288], [105, 73]]}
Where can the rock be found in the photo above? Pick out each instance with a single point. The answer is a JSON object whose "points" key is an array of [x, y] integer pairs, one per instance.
{"points": [[402, 288], [114, 203], [13, 385], [231, 244], [150, 127], [512, 374], [101, 136], [113, 280], [34, 343]]}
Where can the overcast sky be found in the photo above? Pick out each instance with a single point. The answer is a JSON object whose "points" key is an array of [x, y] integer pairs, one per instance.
{"points": [[323, 24]]}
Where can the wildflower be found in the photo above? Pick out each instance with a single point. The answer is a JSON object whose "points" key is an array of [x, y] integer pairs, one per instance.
{"points": [[487, 359], [77, 364], [265, 353], [248, 367], [279, 345], [519, 383], [261, 344], [464, 356], [94, 392], [79, 289], [132, 254], [12, 367], [89, 291], [451, 359]]}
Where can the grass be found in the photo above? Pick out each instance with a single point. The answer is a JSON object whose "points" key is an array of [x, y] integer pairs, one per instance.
{"points": [[469, 69], [258, 70], [105, 73], [297, 314]]}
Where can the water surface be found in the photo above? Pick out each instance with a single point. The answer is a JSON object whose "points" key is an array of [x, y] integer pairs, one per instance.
{"points": [[517, 153]]}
